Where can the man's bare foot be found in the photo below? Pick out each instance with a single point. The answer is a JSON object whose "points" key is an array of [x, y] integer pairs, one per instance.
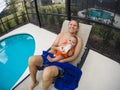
{"points": [[33, 85]]}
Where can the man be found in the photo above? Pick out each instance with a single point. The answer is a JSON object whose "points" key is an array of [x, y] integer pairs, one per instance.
{"points": [[50, 72]]}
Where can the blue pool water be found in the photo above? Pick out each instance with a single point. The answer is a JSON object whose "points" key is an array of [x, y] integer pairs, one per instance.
{"points": [[14, 53], [100, 14], [97, 13]]}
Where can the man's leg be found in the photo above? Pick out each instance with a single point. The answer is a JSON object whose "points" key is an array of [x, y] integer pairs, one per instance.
{"points": [[48, 75], [34, 61]]}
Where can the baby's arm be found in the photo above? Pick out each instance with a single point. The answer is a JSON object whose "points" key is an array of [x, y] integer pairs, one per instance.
{"points": [[66, 48], [59, 48], [53, 49]]}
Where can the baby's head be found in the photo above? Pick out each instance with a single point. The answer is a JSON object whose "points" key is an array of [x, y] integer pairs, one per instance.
{"points": [[72, 40]]}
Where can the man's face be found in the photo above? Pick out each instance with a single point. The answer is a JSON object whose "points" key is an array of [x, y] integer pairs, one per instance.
{"points": [[73, 27]]}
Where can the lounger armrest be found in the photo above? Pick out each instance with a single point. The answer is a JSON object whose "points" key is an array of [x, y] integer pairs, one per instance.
{"points": [[83, 58]]}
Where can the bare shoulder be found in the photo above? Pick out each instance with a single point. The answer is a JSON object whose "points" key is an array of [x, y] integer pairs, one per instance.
{"points": [[58, 38], [60, 34]]}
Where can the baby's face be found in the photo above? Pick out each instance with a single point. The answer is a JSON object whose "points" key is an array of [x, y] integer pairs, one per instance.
{"points": [[72, 41]]}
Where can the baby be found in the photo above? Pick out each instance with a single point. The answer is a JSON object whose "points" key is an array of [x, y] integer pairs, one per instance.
{"points": [[65, 50], [68, 45]]}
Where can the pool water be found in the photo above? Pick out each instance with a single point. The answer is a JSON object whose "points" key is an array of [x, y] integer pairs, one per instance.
{"points": [[100, 14], [14, 53], [97, 13]]}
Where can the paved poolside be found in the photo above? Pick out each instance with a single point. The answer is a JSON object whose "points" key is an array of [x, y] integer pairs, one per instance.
{"points": [[99, 72]]}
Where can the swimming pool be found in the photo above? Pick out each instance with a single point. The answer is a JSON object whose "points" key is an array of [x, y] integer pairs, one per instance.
{"points": [[14, 53], [100, 14], [97, 14]]}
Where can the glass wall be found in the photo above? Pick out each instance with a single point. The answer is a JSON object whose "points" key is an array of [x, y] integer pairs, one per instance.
{"points": [[12, 15]]}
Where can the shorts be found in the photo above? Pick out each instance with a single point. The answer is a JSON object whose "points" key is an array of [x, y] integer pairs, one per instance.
{"points": [[60, 71]]}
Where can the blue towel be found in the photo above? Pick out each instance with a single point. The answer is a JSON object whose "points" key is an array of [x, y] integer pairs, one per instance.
{"points": [[45, 60], [70, 80]]}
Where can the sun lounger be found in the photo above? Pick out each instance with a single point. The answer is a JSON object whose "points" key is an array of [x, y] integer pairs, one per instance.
{"points": [[84, 32]]}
